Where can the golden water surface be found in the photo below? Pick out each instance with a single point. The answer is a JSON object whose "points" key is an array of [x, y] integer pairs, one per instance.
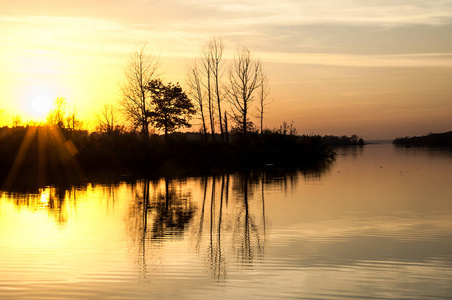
{"points": [[375, 223]]}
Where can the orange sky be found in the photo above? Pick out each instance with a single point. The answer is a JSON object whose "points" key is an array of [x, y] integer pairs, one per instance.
{"points": [[380, 69]]}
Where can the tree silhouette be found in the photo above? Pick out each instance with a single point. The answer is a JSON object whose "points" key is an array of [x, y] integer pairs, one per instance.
{"points": [[214, 53], [196, 93], [17, 121], [141, 70], [263, 91], [56, 116], [63, 116], [73, 122], [206, 88], [206, 69], [107, 119], [171, 108], [243, 81]]}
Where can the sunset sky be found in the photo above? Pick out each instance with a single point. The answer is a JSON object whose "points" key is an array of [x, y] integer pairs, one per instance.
{"points": [[380, 69]]}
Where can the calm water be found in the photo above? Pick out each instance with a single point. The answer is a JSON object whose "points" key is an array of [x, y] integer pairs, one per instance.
{"points": [[374, 224]]}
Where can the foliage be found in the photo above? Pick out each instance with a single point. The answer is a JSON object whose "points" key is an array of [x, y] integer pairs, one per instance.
{"points": [[286, 129], [343, 140], [171, 108], [238, 128], [75, 154], [17, 121]]}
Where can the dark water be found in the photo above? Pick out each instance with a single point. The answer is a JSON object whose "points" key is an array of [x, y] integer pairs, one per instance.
{"points": [[374, 224]]}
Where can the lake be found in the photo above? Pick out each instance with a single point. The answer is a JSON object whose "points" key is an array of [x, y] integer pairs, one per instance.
{"points": [[376, 223]]}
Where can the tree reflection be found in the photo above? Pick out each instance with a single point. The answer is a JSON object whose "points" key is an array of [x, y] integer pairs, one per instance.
{"points": [[231, 229], [248, 232], [58, 201], [167, 211], [226, 222], [160, 211], [235, 228]]}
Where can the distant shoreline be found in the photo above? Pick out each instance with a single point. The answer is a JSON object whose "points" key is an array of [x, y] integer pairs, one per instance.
{"points": [[431, 140], [378, 142]]}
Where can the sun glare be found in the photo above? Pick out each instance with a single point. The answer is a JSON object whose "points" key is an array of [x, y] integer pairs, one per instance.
{"points": [[41, 105], [45, 196]]}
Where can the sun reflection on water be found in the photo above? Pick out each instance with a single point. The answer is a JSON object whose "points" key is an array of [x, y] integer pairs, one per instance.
{"points": [[45, 196]]}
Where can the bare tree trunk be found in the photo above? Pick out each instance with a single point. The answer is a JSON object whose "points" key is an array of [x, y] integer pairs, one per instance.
{"points": [[244, 120], [243, 81], [166, 127], [264, 91], [215, 49], [195, 92], [141, 69], [226, 135], [207, 69]]}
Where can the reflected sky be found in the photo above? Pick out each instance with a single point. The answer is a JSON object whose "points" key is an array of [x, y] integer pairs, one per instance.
{"points": [[375, 223]]}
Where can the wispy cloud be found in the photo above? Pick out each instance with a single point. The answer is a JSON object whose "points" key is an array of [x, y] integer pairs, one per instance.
{"points": [[296, 12], [433, 60]]}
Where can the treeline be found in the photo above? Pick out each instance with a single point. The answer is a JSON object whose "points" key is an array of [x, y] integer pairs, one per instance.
{"points": [[430, 140], [344, 140], [43, 154]]}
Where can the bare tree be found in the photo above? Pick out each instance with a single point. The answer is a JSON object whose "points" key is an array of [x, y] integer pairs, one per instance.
{"points": [[72, 120], [215, 54], [209, 76], [56, 116], [206, 67], [106, 120], [243, 81], [196, 94], [136, 99], [264, 91]]}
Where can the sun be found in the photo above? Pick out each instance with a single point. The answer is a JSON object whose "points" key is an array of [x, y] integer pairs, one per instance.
{"points": [[41, 105]]}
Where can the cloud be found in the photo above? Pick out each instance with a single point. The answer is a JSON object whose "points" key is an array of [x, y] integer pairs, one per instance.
{"points": [[296, 12], [434, 60]]}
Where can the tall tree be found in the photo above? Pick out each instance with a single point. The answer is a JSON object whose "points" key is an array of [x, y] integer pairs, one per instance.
{"points": [[196, 93], [243, 81], [263, 91], [136, 101], [171, 108], [206, 67], [215, 54], [209, 75]]}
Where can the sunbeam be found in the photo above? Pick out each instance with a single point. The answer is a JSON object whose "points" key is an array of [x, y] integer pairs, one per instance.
{"points": [[44, 154]]}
